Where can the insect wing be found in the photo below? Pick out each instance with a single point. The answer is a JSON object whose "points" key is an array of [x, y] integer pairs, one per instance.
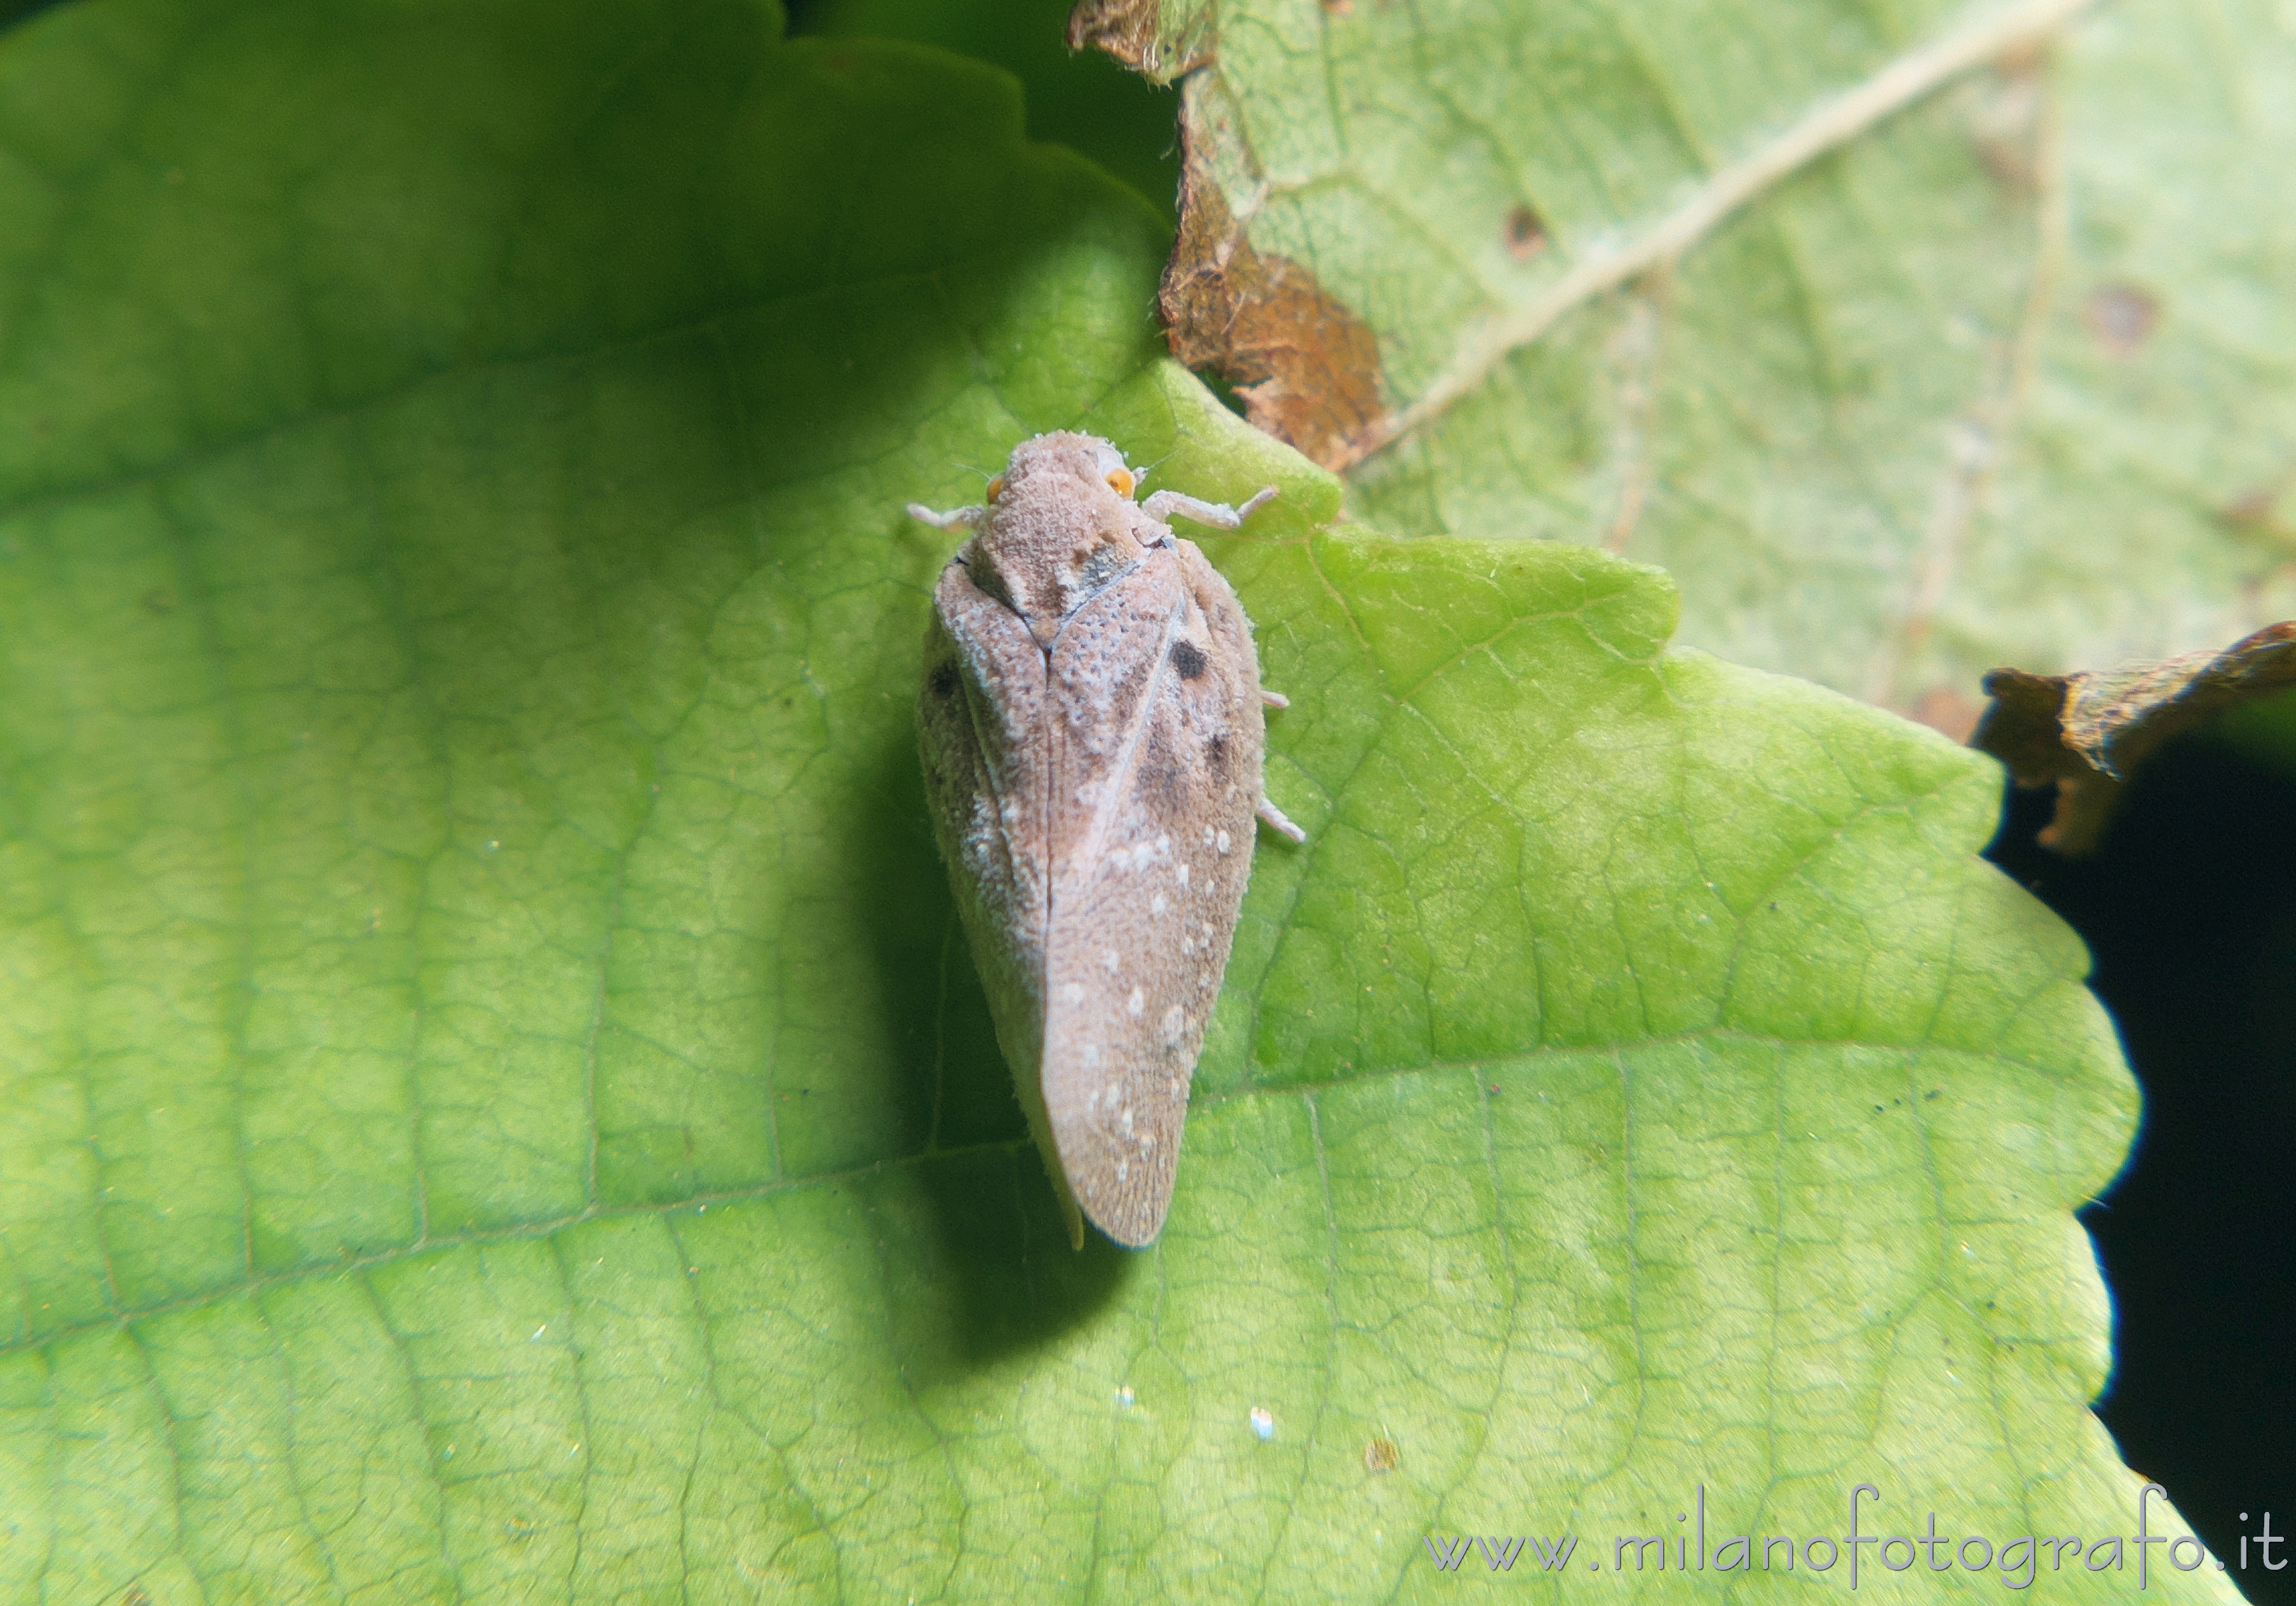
{"points": [[1157, 738], [987, 759]]}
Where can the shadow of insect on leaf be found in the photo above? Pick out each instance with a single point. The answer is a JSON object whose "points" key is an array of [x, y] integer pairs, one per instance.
{"points": [[995, 1269]]}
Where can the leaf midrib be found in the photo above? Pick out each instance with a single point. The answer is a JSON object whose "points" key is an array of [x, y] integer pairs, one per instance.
{"points": [[534, 1230]]}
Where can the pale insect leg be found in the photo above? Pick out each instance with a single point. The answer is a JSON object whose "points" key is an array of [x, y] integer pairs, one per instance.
{"points": [[965, 517], [1279, 821], [1267, 811], [1219, 515]]}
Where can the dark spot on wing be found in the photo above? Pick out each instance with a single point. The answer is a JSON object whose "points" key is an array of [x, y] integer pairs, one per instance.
{"points": [[1162, 786], [1188, 660], [1215, 755], [944, 679]]}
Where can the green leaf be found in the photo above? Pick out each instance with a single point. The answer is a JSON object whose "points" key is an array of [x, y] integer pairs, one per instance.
{"points": [[493, 1105], [1080, 100], [2001, 377]]}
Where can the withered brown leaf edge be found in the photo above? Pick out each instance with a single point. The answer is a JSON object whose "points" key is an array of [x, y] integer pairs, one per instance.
{"points": [[2088, 733], [1306, 366], [1127, 31]]}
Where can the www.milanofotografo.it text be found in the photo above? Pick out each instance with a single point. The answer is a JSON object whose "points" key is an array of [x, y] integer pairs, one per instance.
{"points": [[2016, 1562]]}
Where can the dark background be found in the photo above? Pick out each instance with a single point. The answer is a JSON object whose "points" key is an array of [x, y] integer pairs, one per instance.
{"points": [[2189, 907]]}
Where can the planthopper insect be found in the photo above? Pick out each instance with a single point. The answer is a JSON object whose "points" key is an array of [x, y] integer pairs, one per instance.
{"points": [[1092, 733]]}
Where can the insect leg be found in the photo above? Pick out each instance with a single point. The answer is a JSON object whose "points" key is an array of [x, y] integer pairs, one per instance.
{"points": [[1280, 821], [965, 517], [1275, 816], [1219, 515]]}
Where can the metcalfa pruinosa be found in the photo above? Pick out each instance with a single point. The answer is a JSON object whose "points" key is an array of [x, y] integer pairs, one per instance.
{"points": [[1092, 734]]}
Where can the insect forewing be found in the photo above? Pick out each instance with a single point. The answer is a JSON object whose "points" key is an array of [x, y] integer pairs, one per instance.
{"points": [[1156, 726], [987, 754]]}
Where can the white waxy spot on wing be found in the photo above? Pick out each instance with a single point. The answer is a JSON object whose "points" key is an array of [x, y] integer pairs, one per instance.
{"points": [[1157, 904], [1091, 1055], [1184, 874], [1176, 1021], [1222, 842], [1111, 962], [1137, 1002], [1072, 992]]}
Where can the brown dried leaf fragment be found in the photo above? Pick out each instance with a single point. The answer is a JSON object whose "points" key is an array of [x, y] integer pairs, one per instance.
{"points": [[1307, 367], [1128, 30], [2089, 732]]}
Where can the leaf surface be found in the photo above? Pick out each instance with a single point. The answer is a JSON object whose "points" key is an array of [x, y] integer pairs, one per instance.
{"points": [[493, 1105], [1912, 339], [1080, 100]]}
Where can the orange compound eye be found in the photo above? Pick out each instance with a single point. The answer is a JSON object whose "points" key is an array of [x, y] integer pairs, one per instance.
{"points": [[995, 487], [1119, 480]]}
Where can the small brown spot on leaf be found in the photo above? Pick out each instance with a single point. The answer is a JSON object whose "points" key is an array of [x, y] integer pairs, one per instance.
{"points": [[1381, 1455], [1127, 31], [1526, 235], [1340, 8], [847, 63], [1307, 368], [2005, 121], [2120, 318], [2249, 509], [2086, 733], [2255, 512]]}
